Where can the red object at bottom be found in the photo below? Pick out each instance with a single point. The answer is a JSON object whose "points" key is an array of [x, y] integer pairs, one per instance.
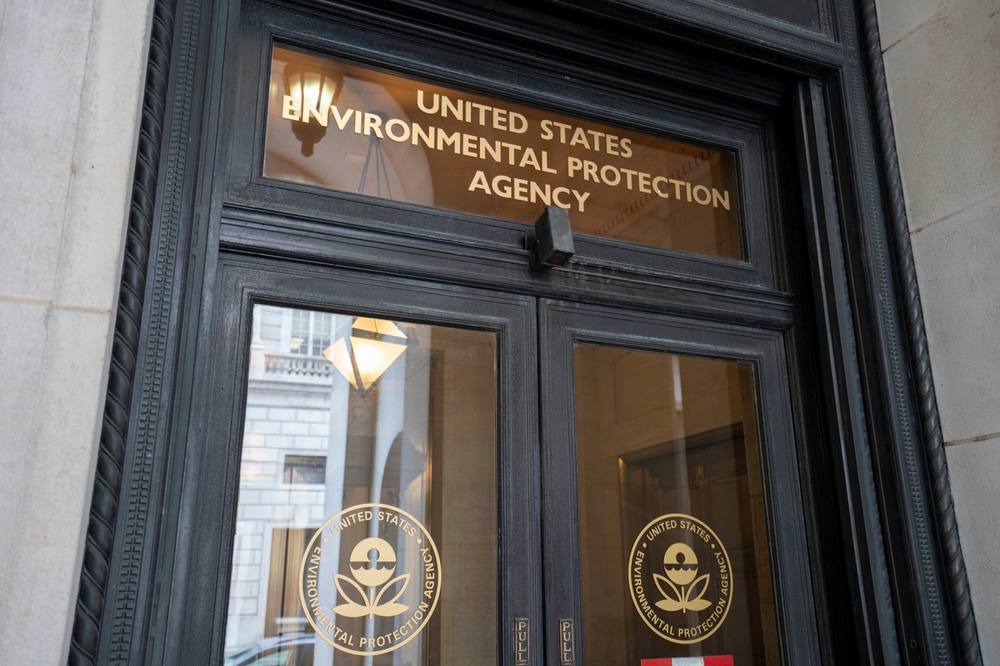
{"points": [[726, 660]]}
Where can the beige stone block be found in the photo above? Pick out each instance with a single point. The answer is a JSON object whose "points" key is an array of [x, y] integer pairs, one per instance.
{"points": [[96, 209], [897, 18], [22, 344], [43, 77], [959, 283], [101, 167], [944, 88], [973, 469], [43, 570]]}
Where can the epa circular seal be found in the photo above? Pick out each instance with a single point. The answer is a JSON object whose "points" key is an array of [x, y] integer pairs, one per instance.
{"points": [[370, 579], [680, 578]]}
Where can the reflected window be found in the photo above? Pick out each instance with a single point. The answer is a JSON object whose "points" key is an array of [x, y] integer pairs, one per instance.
{"points": [[672, 531], [304, 469], [310, 331], [366, 525], [342, 127]]}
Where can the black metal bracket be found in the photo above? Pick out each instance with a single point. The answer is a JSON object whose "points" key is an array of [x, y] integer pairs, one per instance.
{"points": [[551, 241]]}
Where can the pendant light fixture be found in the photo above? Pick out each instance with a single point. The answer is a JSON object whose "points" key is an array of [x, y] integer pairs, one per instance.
{"points": [[310, 90], [363, 350]]}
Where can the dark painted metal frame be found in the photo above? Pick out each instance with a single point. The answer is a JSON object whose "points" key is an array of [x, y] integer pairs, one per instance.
{"points": [[561, 326], [202, 564], [862, 311]]}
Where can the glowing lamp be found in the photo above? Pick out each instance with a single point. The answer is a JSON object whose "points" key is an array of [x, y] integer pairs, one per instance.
{"points": [[309, 92], [364, 349]]}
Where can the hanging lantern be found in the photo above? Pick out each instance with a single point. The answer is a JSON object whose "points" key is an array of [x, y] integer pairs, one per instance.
{"points": [[364, 349], [310, 90]]}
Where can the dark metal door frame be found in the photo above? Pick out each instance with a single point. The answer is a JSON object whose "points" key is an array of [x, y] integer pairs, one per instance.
{"points": [[203, 541]]}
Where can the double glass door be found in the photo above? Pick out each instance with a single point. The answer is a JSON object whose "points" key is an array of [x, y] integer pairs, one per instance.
{"points": [[433, 475]]}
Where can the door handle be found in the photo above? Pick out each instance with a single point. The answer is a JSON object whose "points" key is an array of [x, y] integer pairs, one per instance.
{"points": [[567, 643], [522, 642]]}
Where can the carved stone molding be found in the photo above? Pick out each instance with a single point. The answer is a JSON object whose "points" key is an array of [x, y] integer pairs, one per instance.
{"points": [[85, 639], [944, 508]]}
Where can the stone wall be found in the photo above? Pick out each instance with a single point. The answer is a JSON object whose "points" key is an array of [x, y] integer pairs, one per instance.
{"points": [[942, 64], [72, 72]]}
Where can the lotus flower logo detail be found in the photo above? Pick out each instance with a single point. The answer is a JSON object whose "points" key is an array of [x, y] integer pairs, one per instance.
{"points": [[681, 565], [696, 578], [370, 609], [373, 561]]}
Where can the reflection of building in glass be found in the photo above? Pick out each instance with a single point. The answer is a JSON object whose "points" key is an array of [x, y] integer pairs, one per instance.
{"points": [[418, 434], [346, 160], [282, 473]]}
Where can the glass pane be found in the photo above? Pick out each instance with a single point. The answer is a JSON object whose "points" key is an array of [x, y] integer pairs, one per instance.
{"points": [[672, 532], [366, 525], [351, 129]]}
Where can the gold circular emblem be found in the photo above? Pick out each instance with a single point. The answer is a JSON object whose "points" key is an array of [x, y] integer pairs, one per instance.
{"points": [[370, 579], [680, 578]]}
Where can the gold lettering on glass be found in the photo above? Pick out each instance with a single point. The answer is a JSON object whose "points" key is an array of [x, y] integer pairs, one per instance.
{"points": [[342, 127], [690, 602], [370, 588]]}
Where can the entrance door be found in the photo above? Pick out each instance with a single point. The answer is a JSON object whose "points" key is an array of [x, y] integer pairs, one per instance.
{"points": [[368, 488], [673, 527], [421, 438], [394, 504]]}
